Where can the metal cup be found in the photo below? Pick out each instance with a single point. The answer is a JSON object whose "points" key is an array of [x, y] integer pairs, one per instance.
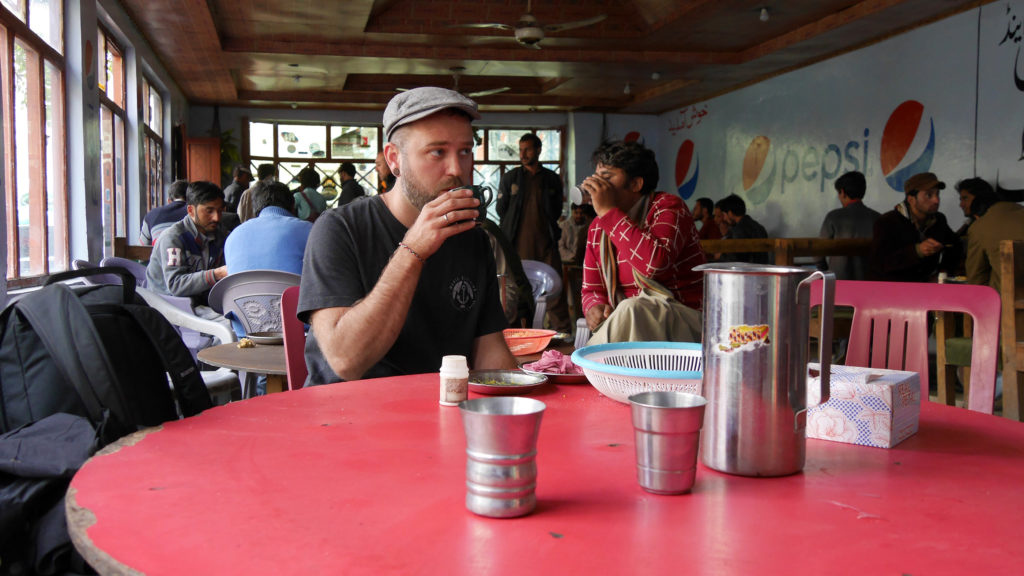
{"points": [[667, 430], [501, 450]]}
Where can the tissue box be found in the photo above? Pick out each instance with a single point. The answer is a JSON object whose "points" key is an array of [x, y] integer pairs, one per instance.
{"points": [[867, 406]]}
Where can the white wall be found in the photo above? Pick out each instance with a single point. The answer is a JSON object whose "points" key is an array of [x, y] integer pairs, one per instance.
{"points": [[780, 144]]}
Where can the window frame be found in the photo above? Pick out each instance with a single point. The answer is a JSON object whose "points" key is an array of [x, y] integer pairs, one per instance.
{"points": [[115, 212]]}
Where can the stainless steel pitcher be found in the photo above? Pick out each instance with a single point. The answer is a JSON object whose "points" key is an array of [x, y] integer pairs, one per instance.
{"points": [[755, 365]]}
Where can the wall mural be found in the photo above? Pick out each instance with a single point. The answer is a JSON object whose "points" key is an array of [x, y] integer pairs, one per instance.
{"points": [[906, 105]]}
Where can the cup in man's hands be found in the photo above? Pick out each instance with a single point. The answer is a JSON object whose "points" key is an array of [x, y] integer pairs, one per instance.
{"points": [[482, 193]]}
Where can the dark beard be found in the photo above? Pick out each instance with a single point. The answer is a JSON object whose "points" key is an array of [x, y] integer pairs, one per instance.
{"points": [[419, 197]]}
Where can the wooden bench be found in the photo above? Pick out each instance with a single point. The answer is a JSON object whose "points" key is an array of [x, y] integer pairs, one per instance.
{"points": [[1011, 265], [786, 250], [124, 250]]}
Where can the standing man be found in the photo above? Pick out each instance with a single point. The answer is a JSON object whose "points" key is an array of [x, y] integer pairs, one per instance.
{"points": [[309, 204], [393, 283], [241, 178], [188, 257], [163, 217], [385, 179], [350, 189], [638, 278], [529, 204], [704, 212], [266, 173], [913, 241], [853, 220]]}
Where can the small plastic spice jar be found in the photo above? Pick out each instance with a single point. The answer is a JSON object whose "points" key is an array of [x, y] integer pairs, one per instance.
{"points": [[454, 380]]}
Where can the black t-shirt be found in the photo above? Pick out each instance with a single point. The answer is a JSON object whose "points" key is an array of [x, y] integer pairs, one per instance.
{"points": [[456, 299]]}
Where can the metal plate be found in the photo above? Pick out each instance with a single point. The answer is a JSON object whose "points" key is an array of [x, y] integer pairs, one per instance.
{"points": [[504, 382], [266, 337]]}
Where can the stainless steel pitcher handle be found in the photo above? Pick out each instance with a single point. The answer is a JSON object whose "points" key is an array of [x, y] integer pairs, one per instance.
{"points": [[828, 291]]}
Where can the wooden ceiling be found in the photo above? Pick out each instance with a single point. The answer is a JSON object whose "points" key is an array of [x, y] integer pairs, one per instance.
{"points": [[356, 53]]}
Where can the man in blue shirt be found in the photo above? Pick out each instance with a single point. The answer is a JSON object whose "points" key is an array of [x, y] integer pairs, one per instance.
{"points": [[275, 239]]}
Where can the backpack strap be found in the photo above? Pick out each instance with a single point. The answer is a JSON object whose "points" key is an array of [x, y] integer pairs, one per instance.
{"points": [[313, 212], [189, 387], [67, 331]]}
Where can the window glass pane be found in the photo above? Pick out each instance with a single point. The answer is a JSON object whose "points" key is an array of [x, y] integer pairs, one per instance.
{"points": [[503, 145], [156, 111], [56, 198], [300, 141], [119, 188], [108, 183], [354, 142], [101, 59], [366, 176], [46, 20], [551, 145], [17, 7], [480, 136], [115, 74], [288, 173], [261, 139], [488, 175], [21, 156]]}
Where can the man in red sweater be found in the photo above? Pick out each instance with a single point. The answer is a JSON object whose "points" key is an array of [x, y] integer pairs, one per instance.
{"points": [[641, 251]]}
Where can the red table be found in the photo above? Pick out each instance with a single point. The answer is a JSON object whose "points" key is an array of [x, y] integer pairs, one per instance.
{"points": [[368, 478]]}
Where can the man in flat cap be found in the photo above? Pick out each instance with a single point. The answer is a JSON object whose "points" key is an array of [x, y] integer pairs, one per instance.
{"points": [[393, 283], [912, 242]]}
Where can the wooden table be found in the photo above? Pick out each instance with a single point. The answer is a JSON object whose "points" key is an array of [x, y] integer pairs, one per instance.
{"points": [[368, 477], [263, 359]]}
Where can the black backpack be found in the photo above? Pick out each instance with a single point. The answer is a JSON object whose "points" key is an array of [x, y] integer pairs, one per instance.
{"points": [[79, 367], [96, 351]]}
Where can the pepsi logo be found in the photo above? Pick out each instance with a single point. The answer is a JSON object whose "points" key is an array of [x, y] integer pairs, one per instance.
{"points": [[759, 169], [908, 144], [633, 136], [687, 169]]}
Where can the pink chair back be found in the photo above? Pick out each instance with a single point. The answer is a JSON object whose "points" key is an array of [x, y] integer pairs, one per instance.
{"points": [[890, 328], [294, 339]]}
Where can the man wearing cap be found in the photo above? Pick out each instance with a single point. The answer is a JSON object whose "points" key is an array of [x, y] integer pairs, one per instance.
{"points": [[913, 241], [395, 282]]}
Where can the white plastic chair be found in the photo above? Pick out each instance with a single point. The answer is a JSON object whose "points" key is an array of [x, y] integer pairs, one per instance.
{"points": [[254, 297], [547, 285]]}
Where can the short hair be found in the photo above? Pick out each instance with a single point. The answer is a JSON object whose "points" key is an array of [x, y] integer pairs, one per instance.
{"points": [[853, 184], [309, 178], [178, 190], [984, 195], [532, 139], [734, 204], [239, 170], [348, 168], [706, 203], [633, 158], [264, 171], [201, 192], [272, 194]]}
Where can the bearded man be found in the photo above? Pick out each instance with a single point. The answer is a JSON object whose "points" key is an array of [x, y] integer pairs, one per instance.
{"points": [[393, 283]]}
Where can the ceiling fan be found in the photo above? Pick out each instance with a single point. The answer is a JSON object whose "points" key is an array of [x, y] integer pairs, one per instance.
{"points": [[456, 73], [529, 32]]}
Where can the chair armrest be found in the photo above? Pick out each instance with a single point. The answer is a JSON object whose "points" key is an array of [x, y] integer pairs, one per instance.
{"points": [[178, 317]]}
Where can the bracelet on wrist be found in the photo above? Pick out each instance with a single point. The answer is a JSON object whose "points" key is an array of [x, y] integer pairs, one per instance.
{"points": [[411, 251]]}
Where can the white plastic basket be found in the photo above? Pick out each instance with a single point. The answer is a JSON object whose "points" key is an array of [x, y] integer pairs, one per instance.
{"points": [[622, 369]]}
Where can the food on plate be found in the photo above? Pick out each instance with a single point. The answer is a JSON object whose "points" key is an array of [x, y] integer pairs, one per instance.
{"points": [[554, 362], [494, 382], [743, 334], [246, 343]]}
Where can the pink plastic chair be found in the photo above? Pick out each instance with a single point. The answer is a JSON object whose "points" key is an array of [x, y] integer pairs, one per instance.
{"points": [[890, 328], [294, 339]]}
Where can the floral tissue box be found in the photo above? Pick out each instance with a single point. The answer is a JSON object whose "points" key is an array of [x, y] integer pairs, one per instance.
{"points": [[867, 406]]}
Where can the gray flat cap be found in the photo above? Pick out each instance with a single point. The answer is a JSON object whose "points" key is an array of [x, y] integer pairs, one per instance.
{"points": [[418, 103]]}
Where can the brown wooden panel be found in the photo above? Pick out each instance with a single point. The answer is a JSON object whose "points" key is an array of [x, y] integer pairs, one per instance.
{"points": [[203, 157]]}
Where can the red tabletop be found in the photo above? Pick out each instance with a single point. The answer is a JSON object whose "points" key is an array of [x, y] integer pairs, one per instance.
{"points": [[368, 478]]}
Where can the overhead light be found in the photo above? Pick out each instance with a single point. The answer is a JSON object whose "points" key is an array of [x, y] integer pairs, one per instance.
{"points": [[764, 14], [655, 75], [627, 89]]}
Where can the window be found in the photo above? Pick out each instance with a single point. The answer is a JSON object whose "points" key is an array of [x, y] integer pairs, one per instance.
{"points": [[325, 147], [33, 138], [152, 120], [112, 133], [292, 147]]}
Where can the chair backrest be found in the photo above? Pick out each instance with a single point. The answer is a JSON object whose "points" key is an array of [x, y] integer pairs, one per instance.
{"points": [[890, 328], [1011, 266], [137, 269], [254, 297], [294, 339], [546, 284], [77, 264]]}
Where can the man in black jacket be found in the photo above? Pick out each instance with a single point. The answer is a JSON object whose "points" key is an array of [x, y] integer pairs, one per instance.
{"points": [[913, 241], [529, 204]]}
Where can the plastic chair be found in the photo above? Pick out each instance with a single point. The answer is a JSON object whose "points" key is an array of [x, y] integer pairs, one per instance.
{"points": [[254, 297], [294, 339], [547, 285], [78, 264], [136, 268], [890, 328]]}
